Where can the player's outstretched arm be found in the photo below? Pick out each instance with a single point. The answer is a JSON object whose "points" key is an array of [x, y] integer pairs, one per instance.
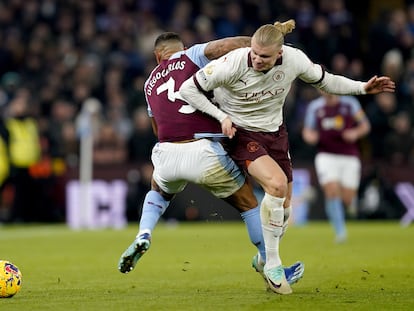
{"points": [[218, 48]]}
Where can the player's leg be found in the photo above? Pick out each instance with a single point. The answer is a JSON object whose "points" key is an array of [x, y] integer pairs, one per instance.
{"points": [[274, 182], [349, 199], [163, 187], [334, 209], [230, 185], [245, 202], [350, 181], [328, 170], [155, 204]]}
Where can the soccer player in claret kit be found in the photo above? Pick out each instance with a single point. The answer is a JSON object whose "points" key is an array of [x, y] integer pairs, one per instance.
{"points": [[335, 124], [188, 150]]}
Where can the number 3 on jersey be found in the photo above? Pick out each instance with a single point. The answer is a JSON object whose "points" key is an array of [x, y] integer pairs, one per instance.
{"points": [[172, 95]]}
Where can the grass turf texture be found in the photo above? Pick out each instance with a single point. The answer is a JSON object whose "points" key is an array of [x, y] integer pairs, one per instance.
{"points": [[206, 266]]}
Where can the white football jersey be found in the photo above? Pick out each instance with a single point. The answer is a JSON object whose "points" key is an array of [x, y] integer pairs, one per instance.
{"points": [[254, 100]]}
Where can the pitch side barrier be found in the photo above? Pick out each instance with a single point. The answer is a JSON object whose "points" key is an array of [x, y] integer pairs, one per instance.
{"points": [[108, 190]]}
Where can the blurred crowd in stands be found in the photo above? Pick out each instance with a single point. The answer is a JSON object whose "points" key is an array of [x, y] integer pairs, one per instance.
{"points": [[57, 54]]}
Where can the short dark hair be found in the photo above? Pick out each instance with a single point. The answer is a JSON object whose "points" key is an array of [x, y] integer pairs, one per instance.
{"points": [[167, 36]]}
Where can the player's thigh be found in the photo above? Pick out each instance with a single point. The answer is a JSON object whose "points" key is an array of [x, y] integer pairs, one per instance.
{"points": [[202, 162], [218, 173], [269, 175], [327, 168], [351, 172], [167, 168]]}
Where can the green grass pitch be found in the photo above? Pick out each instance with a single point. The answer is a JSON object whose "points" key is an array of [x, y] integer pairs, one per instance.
{"points": [[206, 266]]}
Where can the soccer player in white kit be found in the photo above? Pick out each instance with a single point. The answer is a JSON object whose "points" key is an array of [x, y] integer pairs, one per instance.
{"points": [[250, 86], [334, 124], [179, 158]]}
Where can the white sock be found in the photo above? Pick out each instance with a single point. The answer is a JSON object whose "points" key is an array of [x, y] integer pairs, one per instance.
{"points": [[286, 212], [272, 215]]}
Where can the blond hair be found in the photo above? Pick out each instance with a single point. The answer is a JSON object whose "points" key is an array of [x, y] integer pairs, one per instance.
{"points": [[273, 34]]}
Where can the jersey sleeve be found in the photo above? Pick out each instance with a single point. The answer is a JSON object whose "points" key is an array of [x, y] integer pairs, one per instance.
{"points": [[195, 54], [149, 111], [310, 116], [356, 109], [309, 72], [316, 75]]}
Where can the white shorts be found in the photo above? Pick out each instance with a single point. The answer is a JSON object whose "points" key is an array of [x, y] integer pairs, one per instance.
{"points": [[202, 162], [344, 169]]}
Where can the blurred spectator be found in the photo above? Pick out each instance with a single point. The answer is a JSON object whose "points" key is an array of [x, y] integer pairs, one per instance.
{"points": [[117, 115], [344, 27], [139, 183], [109, 147], [352, 68], [391, 30], [4, 156], [321, 35], [232, 22], [392, 65], [380, 112], [181, 17], [24, 147], [399, 142], [135, 94], [304, 15], [70, 144], [142, 138], [62, 114]]}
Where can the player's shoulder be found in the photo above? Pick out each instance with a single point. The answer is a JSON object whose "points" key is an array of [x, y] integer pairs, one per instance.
{"points": [[294, 56], [238, 56], [195, 51], [293, 49], [293, 52]]}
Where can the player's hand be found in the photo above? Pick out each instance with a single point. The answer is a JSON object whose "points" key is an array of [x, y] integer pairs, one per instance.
{"points": [[350, 135], [379, 84], [227, 127]]}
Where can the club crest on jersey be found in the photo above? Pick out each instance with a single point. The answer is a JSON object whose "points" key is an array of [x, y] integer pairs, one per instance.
{"points": [[252, 146], [278, 76], [209, 69]]}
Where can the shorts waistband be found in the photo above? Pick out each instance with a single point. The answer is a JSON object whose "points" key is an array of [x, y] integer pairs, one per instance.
{"points": [[185, 141]]}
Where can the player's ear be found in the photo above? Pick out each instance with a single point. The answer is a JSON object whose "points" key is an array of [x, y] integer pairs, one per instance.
{"points": [[280, 52], [157, 56]]}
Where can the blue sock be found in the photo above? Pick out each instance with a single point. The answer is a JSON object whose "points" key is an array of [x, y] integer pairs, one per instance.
{"points": [[153, 208], [254, 227], [336, 215]]}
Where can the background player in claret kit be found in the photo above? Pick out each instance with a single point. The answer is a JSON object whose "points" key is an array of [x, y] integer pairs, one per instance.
{"points": [[250, 85], [178, 158], [334, 124]]}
